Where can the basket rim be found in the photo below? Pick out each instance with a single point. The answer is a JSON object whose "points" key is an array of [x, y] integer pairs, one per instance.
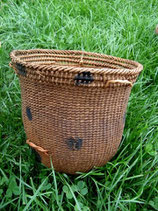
{"points": [[74, 67], [137, 67]]}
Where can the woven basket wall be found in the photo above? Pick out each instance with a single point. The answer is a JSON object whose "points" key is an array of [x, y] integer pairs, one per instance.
{"points": [[73, 105]]}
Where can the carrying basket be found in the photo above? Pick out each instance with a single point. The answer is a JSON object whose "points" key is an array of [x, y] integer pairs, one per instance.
{"points": [[73, 105]]}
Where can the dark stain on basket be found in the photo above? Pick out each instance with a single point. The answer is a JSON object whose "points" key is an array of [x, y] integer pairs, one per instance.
{"points": [[37, 156], [28, 113], [21, 69], [124, 118], [83, 78], [74, 143]]}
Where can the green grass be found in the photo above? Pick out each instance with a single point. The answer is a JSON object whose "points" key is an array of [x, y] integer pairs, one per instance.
{"points": [[123, 28]]}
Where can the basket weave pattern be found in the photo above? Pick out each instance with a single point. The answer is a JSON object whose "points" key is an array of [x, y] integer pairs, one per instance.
{"points": [[73, 105]]}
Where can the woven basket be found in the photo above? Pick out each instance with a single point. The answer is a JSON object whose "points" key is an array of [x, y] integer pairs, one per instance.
{"points": [[73, 105]]}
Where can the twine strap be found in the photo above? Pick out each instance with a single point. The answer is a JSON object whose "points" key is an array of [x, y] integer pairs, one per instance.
{"points": [[125, 82], [38, 148]]}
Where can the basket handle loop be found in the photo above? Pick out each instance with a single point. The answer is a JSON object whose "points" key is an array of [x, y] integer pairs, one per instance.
{"points": [[125, 82]]}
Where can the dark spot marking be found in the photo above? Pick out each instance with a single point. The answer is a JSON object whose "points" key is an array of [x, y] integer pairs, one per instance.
{"points": [[124, 118], [78, 143], [37, 156], [83, 78], [70, 143], [28, 113], [74, 143], [21, 69]]}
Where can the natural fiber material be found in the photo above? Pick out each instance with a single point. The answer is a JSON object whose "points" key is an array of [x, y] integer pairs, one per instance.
{"points": [[73, 105]]}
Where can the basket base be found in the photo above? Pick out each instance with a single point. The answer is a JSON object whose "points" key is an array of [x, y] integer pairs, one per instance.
{"points": [[48, 161]]}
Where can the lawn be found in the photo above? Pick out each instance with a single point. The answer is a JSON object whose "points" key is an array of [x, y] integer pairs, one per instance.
{"points": [[123, 28]]}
